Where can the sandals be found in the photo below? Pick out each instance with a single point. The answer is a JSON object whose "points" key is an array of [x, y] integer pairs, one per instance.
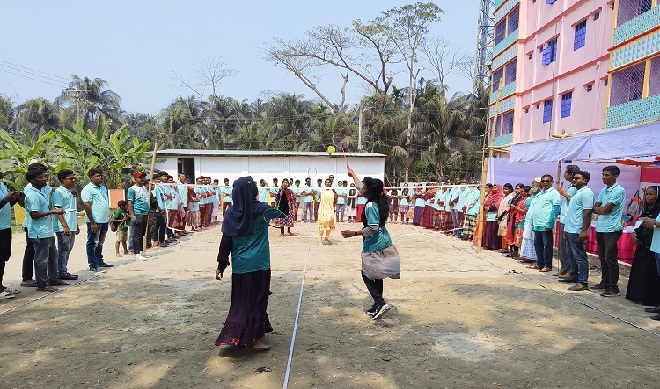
{"points": [[47, 288], [545, 269], [534, 266], [29, 283]]}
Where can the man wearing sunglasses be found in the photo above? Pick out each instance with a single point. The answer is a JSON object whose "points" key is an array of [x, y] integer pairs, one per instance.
{"points": [[545, 211]]}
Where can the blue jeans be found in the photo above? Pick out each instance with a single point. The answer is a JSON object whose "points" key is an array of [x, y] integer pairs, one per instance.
{"points": [[131, 230], [564, 251], [45, 261], [543, 248], [95, 244], [657, 262], [308, 209], [576, 254], [64, 246]]}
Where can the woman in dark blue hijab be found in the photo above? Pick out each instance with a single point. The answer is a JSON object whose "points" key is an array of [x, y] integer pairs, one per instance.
{"points": [[245, 238]]}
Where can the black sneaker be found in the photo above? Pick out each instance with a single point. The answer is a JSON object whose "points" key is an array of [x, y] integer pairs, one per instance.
{"points": [[610, 292], [103, 264], [373, 310], [382, 310], [68, 277]]}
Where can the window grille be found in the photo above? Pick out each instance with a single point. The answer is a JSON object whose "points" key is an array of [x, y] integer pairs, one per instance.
{"points": [[547, 110], [580, 35]]}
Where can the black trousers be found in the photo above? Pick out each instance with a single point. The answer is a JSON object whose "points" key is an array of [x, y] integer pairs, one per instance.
{"points": [[139, 229], [375, 288], [5, 250], [28, 259], [157, 229]]}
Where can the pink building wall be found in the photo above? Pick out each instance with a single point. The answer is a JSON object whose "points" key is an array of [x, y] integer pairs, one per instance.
{"points": [[572, 70]]}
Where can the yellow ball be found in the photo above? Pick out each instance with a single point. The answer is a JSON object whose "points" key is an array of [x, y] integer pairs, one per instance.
{"points": [[331, 149]]}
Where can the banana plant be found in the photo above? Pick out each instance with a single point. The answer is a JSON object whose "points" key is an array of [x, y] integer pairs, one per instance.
{"points": [[22, 152]]}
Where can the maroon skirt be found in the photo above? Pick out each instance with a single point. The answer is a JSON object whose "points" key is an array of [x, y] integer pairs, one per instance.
{"points": [[247, 320], [427, 217]]}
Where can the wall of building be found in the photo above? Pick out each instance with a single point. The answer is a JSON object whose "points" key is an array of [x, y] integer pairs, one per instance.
{"points": [[281, 166], [572, 70], [634, 95]]}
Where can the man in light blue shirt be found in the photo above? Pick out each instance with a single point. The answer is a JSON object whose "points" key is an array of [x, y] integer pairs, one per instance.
{"points": [[66, 225], [566, 195], [471, 213], [41, 232], [577, 221], [544, 214], [609, 208], [97, 215], [7, 200], [340, 207], [308, 200]]}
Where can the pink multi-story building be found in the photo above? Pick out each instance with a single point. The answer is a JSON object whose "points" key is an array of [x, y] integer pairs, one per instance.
{"points": [[553, 58]]}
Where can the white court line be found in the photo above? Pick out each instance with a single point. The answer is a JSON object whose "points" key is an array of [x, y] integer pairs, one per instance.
{"points": [[295, 325]]}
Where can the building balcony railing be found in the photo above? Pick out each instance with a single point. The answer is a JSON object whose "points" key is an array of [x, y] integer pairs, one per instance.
{"points": [[505, 106], [501, 13], [506, 42], [503, 140], [634, 112], [637, 26], [507, 91], [645, 47], [498, 3], [504, 58]]}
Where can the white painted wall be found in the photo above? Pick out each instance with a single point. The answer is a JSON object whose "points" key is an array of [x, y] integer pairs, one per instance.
{"points": [[280, 167]]}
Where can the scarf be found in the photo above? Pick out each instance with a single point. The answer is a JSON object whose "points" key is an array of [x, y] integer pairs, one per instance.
{"points": [[495, 198], [239, 218]]}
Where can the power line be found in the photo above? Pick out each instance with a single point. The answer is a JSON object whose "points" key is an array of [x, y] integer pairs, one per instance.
{"points": [[32, 74]]}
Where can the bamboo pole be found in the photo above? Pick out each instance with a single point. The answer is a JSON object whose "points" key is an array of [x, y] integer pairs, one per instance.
{"points": [[484, 170], [554, 235], [151, 175]]}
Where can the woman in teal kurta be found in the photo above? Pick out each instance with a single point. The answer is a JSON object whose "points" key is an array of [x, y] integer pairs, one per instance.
{"points": [[245, 238]]}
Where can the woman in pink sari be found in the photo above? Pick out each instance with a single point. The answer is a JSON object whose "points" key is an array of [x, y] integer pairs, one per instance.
{"points": [[491, 241]]}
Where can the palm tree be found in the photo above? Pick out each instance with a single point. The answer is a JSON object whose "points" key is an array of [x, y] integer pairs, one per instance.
{"points": [[36, 117], [87, 99]]}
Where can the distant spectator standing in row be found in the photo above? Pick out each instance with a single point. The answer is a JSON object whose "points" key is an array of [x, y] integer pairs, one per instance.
{"points": [[97, 210], [566, 195], [544, 214], [41, 232], [609, 208], [7, 200], [577, 221], [138, 209], [66, 225]]}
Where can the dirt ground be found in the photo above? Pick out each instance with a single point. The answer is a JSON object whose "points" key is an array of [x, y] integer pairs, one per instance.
{"points": [[461, 320]]}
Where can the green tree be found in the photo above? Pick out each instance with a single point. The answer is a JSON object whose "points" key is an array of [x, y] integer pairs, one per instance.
{"points": [[36, 117], [86, 99], [6, 112], [22, 152]]}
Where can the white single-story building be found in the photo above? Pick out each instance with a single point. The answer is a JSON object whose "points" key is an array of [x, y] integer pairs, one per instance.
{"points": [[232, 164]]}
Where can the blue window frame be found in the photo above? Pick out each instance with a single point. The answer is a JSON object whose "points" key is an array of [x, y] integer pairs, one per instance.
{"points": [[500, 31], [507, 123], [549, 52], [497, 76], [580, 35], [547, 110], [510, 72], [566, 100], [513, 19]]}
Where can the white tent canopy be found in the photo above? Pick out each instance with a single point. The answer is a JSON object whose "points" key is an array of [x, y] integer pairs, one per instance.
{"points": [[598, 146]]}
